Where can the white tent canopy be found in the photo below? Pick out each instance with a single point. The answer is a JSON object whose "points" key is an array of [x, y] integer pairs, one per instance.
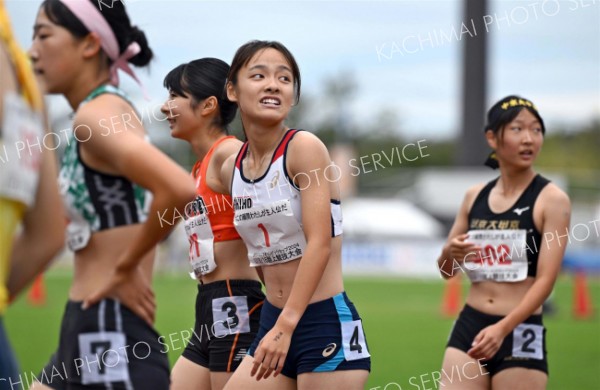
{"points": [[378, 218]]}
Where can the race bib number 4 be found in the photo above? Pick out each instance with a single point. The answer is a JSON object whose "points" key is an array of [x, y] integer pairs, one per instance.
{"points": [[271, 233], [353, 339], [503, 256], [20, 150]]}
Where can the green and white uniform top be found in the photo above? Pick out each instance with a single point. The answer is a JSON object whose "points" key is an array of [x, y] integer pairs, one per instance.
{"points": [[94, 200]]}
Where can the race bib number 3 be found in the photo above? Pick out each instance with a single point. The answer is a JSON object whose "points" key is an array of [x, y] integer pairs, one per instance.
{"points": [[528, 341], [353, 339], [503, 256], [20, 150], [230, 315]]}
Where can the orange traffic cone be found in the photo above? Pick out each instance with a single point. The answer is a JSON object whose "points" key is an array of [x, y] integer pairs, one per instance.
{"points": [[37, 293], [582, 302], [452, 293]]}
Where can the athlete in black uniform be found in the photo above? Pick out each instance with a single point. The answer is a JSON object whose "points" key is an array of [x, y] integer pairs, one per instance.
{"points": [[506, 238]]}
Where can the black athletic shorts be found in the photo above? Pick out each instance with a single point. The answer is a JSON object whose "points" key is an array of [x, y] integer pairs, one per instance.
{"points": [[524, 347], [106, 346], [227, 320]]}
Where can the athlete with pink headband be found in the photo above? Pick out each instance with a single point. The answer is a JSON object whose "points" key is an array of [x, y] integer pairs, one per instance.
{"points": [[106, 339]]}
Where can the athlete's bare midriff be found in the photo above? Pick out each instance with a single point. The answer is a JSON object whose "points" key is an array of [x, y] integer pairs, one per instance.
{"points": [[279, 278], [232, 263], [95, 263], [499, 298]]}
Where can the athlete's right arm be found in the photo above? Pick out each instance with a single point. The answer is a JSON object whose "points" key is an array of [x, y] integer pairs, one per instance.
{"points": [[456, 249], [43, 231]]}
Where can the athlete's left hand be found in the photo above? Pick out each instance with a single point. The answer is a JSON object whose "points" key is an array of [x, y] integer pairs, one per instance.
{"points": [[271, 353], [487, 342], [132, 289]]}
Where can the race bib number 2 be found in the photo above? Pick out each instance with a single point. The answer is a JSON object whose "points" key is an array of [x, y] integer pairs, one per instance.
{"points": [[503, 256], [528, 341]]}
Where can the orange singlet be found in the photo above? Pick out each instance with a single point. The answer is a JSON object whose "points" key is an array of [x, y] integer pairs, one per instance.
{"points": [[219, 206]]}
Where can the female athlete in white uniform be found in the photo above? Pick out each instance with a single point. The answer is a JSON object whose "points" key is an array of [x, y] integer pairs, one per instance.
{"points": [[288, 215]]}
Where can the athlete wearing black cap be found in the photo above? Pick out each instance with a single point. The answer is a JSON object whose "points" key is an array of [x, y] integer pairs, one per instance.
{"points": [[498, 339]]}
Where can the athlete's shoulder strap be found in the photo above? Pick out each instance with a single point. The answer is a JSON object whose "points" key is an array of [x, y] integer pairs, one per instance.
{"points": [[483, 195], [282, 147], [201, 168], [106, 88], [240, 155], [537, 185]]}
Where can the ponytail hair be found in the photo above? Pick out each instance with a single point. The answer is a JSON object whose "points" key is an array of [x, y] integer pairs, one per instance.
{"points": [[201, 79], [117, 18]]}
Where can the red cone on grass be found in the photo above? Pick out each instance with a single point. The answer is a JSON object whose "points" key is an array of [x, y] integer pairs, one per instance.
{"points": [[37, 293], [582, 302], [451, 301]]}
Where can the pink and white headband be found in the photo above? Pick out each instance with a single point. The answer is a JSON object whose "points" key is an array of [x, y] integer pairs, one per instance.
{"points": [[93, 20]]}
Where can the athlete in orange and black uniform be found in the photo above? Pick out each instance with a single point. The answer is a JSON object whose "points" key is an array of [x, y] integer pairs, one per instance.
{"points": [[229, 299]]}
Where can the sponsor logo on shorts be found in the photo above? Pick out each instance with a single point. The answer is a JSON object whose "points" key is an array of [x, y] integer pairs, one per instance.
{"points": [[329, 350], [240, 355]]}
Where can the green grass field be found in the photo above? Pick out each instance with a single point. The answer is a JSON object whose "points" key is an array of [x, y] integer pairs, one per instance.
{"points": [[402, 321]]}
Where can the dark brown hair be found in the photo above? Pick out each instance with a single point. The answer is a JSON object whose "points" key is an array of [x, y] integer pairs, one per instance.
{"points": [[245, 53], [117, 18]]}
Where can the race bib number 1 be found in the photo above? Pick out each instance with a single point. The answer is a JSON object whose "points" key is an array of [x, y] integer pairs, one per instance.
{"points": [[271, 233], [503, 256]]}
